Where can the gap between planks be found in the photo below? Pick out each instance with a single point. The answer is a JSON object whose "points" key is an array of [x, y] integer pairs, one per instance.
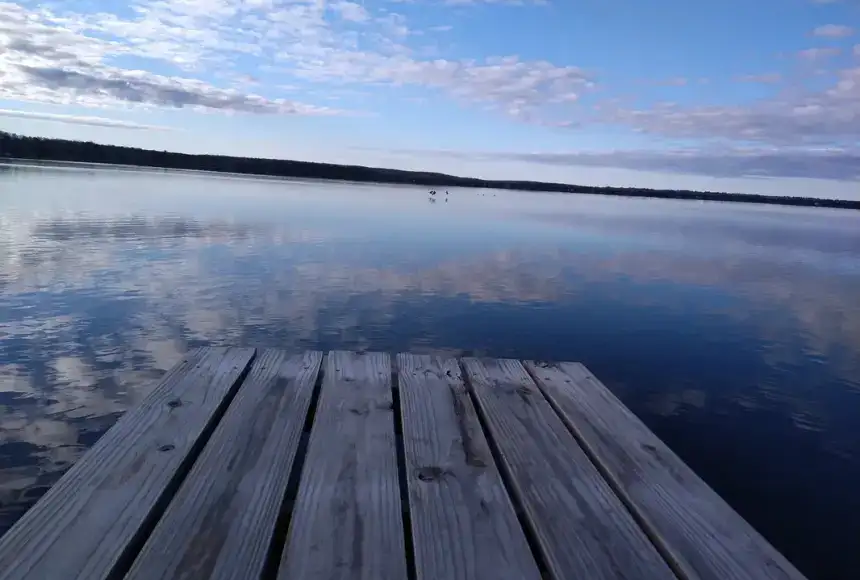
{"points": [[696, 531], [582, 528], [462, 521], [347, 520], [221, 522], [91, 524]]}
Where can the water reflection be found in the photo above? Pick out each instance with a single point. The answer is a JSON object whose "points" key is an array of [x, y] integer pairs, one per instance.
{"points": [[136, 228], [733, 339]]}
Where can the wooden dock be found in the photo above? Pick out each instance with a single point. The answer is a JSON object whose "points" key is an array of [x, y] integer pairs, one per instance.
{"points": [[247, 464]]}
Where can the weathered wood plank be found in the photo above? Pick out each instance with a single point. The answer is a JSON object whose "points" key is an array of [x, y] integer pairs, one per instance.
{"points": [[220, 523], [693, 525], [463, 523], [84, 525], [582, 528], [347, 520]]}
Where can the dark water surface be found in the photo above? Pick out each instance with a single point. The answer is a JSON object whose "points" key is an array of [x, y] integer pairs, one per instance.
{"points": [[732, 330]]}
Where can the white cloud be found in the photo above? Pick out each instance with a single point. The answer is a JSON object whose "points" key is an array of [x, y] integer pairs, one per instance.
{"points": [[217, 54], [512, 2], [827, 163], [674, 82], [350, 11], [830, 117], [506, 83], [833, 31], [841, 164], [49, 58], [79, 120], [394, 24], [766, 78], [817, 54], [72, 57], [104, 85]]}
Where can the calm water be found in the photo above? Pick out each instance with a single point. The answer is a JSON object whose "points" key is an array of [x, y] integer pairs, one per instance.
{"points": [[732, 330]]}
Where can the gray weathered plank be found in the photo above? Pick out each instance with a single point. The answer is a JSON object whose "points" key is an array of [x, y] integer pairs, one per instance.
{"points": [[220, 523], [85, 523], [463, 523], [347, 520], [582, 528], [693, 525]]}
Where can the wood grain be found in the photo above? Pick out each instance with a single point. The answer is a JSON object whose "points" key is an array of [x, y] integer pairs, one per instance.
{"points": [[704, 537], [582, 528], [347, 521], [86, 522], [220, 523], [463, 523]]}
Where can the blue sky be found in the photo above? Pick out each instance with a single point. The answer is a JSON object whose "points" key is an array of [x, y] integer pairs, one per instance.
{"points": [[747, 96]]}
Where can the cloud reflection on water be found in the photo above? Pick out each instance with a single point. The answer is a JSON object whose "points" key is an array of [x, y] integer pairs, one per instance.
{"points": [[98, 305]]}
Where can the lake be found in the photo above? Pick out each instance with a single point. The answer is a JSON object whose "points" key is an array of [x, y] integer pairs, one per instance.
{"points": [[732, 330]]}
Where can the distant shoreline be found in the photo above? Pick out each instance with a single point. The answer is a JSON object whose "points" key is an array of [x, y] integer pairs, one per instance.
{"points": [[23, 148]]}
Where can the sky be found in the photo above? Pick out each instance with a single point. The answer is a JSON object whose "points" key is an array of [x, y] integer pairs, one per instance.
{"points": [[757, 97]]}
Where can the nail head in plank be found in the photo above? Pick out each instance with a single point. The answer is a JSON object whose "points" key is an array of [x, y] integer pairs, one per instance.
{"points": [[582, 528], [85, 524], [463, 523], [347, 520], [220, 523], [704, 536]]}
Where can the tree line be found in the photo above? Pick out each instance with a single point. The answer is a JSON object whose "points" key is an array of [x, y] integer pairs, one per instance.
{"points": [[39, 148]]}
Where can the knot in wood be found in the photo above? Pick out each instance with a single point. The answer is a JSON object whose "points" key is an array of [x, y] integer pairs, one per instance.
{"points": [[430, 473]]}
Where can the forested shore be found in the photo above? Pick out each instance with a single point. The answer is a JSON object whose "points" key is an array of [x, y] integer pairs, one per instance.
{"points": [[38, 148]]}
